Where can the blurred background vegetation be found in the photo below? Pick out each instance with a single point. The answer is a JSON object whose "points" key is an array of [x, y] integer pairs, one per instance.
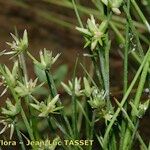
{"points": [[51, 24]]}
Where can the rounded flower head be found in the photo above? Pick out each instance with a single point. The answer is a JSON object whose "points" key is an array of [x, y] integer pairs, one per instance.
{"points": [[94, 33]]}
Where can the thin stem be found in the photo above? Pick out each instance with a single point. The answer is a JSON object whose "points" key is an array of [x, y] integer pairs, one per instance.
{"points": [[125, 73], [74, 104], [133, 127], [102, 68], [20, 139], [92, 129], [23, 67], [23, 116], [134, 31], [27, 98], [107, 48], [124, 99], [53, 93], [141, 14], [77, 13], [136, 103], [28, 53]]}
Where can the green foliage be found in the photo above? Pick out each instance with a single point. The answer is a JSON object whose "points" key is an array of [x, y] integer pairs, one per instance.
{"points": [[90, 100]]}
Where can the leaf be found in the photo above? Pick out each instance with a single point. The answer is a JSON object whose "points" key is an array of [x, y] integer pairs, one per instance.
{"points": [[25, 37], [60, 74], [40, 74], [41, 91], [84, 31], [87, 87], [134, 109]]}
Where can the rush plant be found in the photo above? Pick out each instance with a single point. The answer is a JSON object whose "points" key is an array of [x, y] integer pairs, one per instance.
{"points": [[35, 111]]}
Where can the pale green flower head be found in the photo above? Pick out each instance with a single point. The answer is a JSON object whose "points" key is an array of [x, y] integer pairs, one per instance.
{"points": [[24, 90], [140, 111], [19, 45], [46, 59], [94, 33], [11, 110], [9, 78], [97, 100], [77, 87], [48, 108]]}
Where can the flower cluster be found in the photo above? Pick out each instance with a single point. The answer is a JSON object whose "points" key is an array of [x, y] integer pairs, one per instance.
{"points": [[140, 111], [28, 88], [18, 45], [94, 33], [46, 60], [9, 78], [76, 86], [48, 108], [96, 98], [11, 110]]}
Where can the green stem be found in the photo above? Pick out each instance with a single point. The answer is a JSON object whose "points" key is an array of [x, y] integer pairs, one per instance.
{"points": [[136, 103], [32, 58], [134, 31], [92, 129], [23, 67], [74, 104], [132, 126], [141, 14], [23, 116], [105, 141], [52, 91], [102, 68], [77, 13], [125, 74], [107, 48], [20, 139], [27, 98], [125, 64]]}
